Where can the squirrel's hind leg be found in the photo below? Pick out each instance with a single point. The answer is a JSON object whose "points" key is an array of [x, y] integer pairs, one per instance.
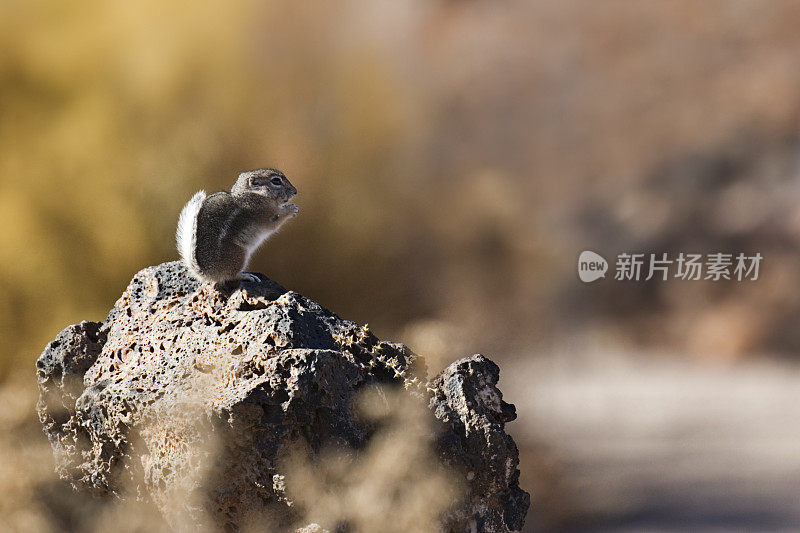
{"points": [[248, 277], [231, 284]]}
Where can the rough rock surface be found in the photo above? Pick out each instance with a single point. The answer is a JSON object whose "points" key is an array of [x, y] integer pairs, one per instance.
{"points": [[178, 373]]}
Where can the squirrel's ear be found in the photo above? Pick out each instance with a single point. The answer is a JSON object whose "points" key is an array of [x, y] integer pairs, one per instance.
{"points": [[245, 180]]}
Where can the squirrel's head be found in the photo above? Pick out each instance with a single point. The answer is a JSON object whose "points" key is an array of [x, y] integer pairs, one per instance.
{"points": [[266, 182]]}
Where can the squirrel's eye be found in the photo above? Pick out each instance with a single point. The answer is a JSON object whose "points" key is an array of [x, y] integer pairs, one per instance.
{"points": [[275, 181]]}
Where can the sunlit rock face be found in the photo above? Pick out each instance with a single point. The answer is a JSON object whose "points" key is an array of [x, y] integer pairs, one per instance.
{"points": [[201, 399]]}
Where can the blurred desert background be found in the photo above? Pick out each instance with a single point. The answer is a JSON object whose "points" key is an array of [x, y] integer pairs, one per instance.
{"points": [[453, 159]]}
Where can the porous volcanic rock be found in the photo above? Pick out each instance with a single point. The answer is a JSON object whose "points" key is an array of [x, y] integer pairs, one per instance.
{"points": [[179, 372]]}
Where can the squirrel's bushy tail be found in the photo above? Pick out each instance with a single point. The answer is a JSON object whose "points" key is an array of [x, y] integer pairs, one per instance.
{"points": [[186, 236]]}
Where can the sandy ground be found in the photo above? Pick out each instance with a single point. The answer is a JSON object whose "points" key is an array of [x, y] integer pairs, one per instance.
{"points": [[654, 443]]}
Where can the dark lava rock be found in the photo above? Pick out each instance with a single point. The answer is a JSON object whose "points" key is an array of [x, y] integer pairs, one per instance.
{"points": [[191, 397]]}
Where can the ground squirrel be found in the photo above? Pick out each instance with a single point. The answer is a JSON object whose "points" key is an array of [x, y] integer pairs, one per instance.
{"points": [[218, 233]]}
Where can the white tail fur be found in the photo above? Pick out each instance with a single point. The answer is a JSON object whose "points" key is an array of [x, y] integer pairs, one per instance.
{"points": [[186, 236]]}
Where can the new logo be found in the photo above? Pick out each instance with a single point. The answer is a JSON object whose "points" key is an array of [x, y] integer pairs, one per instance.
{"points": [[591, 266]]}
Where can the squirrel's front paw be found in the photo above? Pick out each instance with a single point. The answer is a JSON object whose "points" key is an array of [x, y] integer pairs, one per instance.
{"points": [[291, 209]]}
